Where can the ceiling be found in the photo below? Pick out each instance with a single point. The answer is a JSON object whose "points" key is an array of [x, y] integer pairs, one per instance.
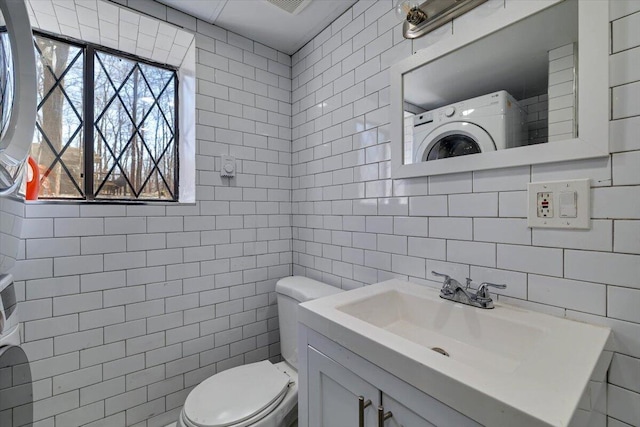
{"points": [[264, 22]]}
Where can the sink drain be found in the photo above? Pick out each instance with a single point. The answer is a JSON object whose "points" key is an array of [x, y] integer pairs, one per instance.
{"points": [[440, 350]]}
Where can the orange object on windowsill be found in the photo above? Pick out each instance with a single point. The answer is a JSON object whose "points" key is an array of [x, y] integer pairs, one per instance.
{"points": [[33, 179]]}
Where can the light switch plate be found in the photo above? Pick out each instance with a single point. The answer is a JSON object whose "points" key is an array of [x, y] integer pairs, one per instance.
{"points": [[563, 213], [228, 166]]}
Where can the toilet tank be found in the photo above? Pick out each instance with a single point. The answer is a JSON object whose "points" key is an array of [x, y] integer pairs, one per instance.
{"points": [[291, 292]]}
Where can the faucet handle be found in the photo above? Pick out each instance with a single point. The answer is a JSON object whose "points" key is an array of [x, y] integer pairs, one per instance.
{"points": [[483, 290], [446, 284], [447, 278]]}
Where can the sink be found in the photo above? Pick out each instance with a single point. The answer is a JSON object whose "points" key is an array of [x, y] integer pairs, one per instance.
{"points": [[477, 338], [483, 363]]}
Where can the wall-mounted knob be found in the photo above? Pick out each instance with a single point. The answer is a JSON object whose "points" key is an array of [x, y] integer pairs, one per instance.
{"points": [[228, 166]]}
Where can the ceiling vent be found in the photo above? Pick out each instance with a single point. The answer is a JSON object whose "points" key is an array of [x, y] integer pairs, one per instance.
{"points": [[290, 6]]}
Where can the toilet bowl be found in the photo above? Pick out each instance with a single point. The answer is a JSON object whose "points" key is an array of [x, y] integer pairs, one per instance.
{"points": [[260, 394], [16, 387]]}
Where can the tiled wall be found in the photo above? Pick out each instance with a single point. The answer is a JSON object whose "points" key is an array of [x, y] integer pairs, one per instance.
{"points": [[561, 93], [353, 225], [126, 307], [105, 24], [11, 214], [537, 108]]}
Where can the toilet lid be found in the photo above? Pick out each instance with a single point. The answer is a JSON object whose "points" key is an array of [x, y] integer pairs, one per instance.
{"points": [[235, 395]]}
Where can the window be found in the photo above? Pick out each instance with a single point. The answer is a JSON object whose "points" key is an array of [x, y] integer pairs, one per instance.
{"points": [[107, 124]]}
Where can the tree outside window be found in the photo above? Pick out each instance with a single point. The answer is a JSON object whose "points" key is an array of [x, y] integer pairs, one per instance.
{"points": [[106, 126]]}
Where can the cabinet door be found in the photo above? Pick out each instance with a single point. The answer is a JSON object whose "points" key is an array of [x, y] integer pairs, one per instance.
{"points": [[410, 408], [334, 392], [401, 415]]}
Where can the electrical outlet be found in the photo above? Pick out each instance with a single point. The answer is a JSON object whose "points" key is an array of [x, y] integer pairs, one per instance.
{"points": [[545, 205], [559, 204]]}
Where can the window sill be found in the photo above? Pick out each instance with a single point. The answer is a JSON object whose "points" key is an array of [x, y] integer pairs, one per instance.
{"points": [[102, 202]]}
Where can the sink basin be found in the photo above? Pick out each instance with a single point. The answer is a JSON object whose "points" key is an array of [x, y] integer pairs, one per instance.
{"points": [[478, 339], [501, 367]]}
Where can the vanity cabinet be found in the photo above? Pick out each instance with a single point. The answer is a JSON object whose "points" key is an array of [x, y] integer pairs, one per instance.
{"points": [[501, 368], [335, 393], [337, 385], [402, 416]]}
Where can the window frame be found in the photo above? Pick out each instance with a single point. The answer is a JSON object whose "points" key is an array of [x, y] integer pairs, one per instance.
{"points": [[88, 117]]}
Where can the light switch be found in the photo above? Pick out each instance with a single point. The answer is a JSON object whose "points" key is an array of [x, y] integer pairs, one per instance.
{"points": [[568, 204], [559, 204]]}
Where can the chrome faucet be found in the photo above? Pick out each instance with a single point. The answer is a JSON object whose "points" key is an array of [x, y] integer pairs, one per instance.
{"points": [[453, 290]]}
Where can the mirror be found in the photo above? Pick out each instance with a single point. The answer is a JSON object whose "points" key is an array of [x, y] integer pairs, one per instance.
{"points": [[17, 92], [6, 78], [501, 95], [494, 94]]}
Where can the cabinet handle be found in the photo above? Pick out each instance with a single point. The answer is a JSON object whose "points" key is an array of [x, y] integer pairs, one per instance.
{"points": [[382, 416], [361, 405]]}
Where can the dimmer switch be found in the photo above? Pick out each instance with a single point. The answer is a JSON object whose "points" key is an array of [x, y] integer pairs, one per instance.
{"points": [[568, 204]]}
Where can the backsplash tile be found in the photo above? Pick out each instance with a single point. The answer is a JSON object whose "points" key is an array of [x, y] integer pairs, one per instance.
{"points": [[627, 236]]}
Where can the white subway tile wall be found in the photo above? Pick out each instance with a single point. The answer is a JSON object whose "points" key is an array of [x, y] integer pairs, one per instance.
{"points": [[537, 108], [560, 94], [11, 220], [107, 25], [476, 221], [127, 308]]}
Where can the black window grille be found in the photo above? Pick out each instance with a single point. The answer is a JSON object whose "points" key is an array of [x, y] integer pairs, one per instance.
{"points": [[107, 127]]}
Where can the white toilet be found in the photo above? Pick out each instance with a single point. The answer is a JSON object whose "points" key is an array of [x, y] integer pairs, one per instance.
{"points": [[259, 394]]}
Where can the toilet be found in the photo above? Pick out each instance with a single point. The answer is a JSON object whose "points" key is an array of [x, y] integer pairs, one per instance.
{"points": [[260, 394]]}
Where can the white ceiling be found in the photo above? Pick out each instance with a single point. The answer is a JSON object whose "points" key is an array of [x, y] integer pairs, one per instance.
{"points": [[261, 21]]}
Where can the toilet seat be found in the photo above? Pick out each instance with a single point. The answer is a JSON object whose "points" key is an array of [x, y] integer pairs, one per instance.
{"points": [[237, 397]]}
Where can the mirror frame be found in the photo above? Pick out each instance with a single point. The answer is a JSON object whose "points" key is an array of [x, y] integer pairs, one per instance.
{"points": [[593, 94], [15, 146]]}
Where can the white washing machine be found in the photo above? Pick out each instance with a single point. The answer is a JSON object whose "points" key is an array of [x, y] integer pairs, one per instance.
{"points": [[16, 391], [486, 123]]}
